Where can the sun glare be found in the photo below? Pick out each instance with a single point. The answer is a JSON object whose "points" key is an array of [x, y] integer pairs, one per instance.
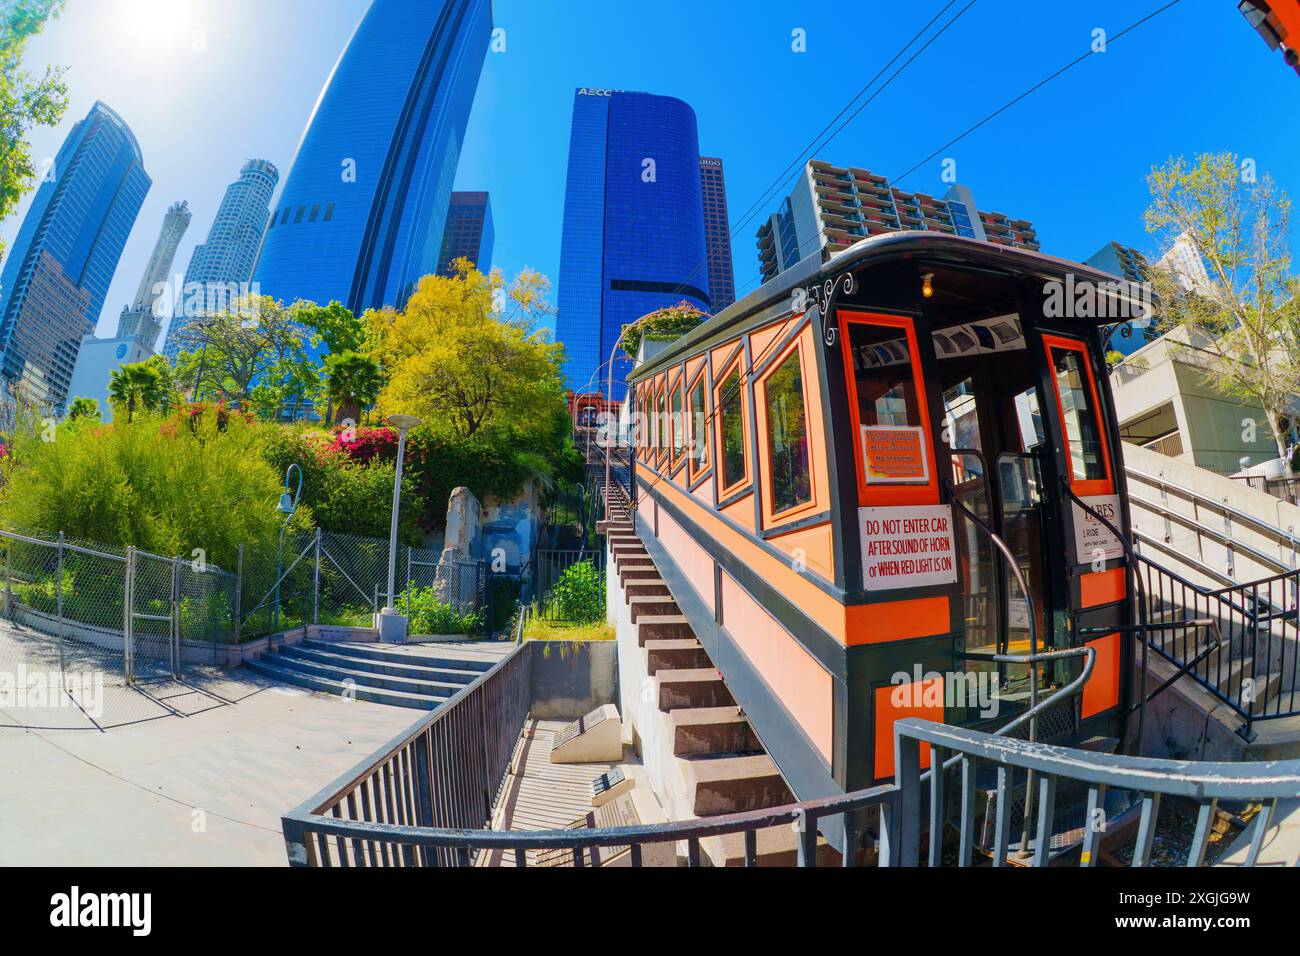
{"points": [[156, 25]]}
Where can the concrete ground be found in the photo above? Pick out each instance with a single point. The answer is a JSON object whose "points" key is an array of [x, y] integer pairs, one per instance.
{"points": [[203, 790]]}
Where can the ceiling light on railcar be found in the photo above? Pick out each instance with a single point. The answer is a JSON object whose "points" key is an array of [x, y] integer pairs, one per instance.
{"points": [[927, 284]]}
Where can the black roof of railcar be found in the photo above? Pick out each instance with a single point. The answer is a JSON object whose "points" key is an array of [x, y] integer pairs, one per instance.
{"points": [[932, 246]]}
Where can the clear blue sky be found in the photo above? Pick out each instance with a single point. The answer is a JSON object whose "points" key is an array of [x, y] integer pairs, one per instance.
{"points": [[1072, 157]]}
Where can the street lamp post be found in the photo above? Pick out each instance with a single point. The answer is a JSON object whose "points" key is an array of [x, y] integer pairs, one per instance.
{"points": [[403, 424], [287, 506]]}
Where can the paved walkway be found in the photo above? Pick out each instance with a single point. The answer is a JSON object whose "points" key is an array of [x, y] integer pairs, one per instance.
{"points": [[203, 790]]}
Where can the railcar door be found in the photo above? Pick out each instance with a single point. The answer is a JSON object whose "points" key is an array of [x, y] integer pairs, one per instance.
{"points": [[994, 429]]}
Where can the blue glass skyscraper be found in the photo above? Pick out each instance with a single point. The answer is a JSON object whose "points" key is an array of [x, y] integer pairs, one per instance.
{"points": [[364, 205], [60, 265], [633, 238]]}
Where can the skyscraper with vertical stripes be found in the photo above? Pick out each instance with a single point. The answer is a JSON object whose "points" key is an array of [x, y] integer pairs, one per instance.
{"points": [[362, 214], [59, 268], [633, 235], [717, 233]]}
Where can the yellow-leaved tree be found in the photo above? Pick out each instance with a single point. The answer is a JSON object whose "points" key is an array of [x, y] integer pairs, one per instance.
{"points": [[467, 353]]}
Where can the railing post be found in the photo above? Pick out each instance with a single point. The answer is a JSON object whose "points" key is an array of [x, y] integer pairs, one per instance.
{"points": [[239, 590], [9, 590], [905, 817], [176, 618], [58, 601], [315, 584], [128, 615]]}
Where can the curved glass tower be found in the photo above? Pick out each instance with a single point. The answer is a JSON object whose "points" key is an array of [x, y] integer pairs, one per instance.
{"points": [[363, 209], [61, 263], [633, 238]]}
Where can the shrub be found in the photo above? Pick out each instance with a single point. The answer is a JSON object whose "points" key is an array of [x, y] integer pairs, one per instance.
{"points": [[432, 615], [157, 484], [579, 596]]}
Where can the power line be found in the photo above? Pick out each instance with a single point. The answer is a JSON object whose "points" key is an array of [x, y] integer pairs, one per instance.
{"points": [[1092, 51]]}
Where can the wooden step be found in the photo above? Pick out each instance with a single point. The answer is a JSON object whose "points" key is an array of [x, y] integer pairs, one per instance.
{"points": [[663, 627], [712, 730], [657, 606], [650, 587], [675, 654], [735, 784], [637, 572], [692, 687]]}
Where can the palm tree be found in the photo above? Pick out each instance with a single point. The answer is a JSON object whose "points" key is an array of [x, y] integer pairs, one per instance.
{"points": [[83, 407], [354, 383], [135, 386]]}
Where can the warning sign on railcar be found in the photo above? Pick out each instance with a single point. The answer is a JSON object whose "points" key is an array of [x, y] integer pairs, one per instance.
{"points": [[894, 454], [907, 547]]}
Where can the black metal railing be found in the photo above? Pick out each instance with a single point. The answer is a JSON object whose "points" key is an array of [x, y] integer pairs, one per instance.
{"points": [[426, 798], [1255, 671]]}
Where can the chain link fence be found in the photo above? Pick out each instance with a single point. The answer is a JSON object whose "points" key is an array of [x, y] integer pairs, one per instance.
{"points": [[87, 628]]}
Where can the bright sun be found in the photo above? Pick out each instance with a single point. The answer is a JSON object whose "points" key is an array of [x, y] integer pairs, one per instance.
{"points": [[152, 23]]}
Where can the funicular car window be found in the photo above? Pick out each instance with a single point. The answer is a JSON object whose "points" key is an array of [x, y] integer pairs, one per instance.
{"points": [[891, 433]]}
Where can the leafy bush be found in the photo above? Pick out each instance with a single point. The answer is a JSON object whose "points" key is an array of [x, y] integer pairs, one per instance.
{"points": [[344, 495], [432, 615], [158, 484], [579, 596]]}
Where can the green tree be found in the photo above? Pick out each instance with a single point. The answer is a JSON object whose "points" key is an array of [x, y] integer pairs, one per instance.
{"points": [[135, 387], [1239, 224], [83, 407], [338, 328], [25, 101], [354, 381], [259, 340]]}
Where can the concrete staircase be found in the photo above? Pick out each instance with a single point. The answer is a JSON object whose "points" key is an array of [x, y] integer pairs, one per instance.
{"points": [[723, 764], [372, 672]]}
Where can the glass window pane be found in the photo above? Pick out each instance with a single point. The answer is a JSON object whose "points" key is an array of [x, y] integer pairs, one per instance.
{"points": [[1080, 418], [787, 436], [733, 431], [892, 440], [679, 438], [699, 425]]}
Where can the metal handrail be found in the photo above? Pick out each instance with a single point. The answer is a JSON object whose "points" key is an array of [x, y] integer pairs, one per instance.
{"points": [[1262, 525]]}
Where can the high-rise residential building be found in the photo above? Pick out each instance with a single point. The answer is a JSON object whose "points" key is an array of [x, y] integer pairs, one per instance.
{"points": [[222, 266], [140, 322], [633, 235], [717, 233], [1122, 261], [1184, 262], [1129, 264], [468, 233], [361, 217], [56, 278], [832, 207]]}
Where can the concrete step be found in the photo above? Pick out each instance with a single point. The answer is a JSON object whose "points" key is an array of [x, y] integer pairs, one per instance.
{"points": [[379, 652], [735, 784], [656, 606], [341, 673], [639, 561], [413, 671], [712, 730], [1185, 648], [692, 687], [676, 654], [374, 695], [651, 587], [663, 627]]}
